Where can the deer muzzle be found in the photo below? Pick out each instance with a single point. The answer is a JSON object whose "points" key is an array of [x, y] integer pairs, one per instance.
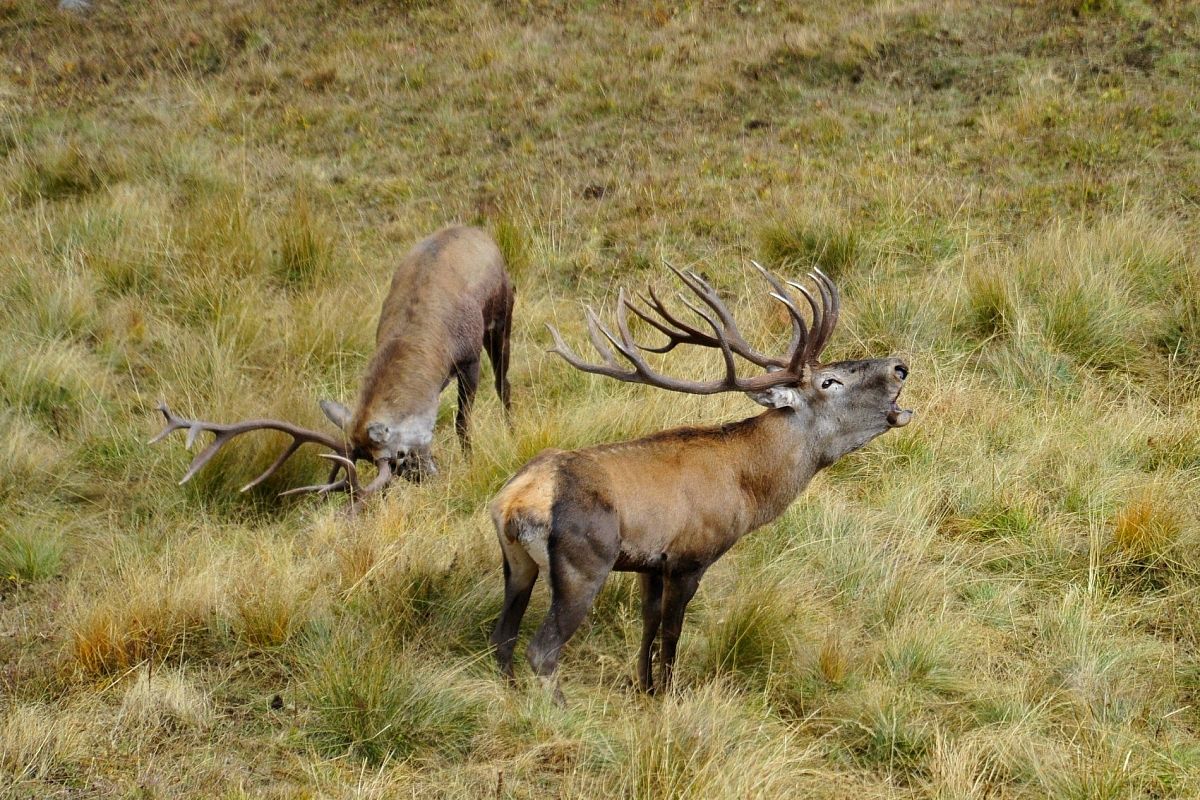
{"points": [[898, 417]]}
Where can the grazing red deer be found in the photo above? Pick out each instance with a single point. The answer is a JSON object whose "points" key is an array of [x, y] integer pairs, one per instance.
{"points": [[450, 298], [669, 505]]}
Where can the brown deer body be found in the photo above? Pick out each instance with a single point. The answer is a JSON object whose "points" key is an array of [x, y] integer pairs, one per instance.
{"points": [[450, 299], [669, 505]]}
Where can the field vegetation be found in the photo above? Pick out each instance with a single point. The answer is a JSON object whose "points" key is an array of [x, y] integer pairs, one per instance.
{"points": [[203, 203]]}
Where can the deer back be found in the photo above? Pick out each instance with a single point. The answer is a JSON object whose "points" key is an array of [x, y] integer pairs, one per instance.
{"points": [[445, 294]]}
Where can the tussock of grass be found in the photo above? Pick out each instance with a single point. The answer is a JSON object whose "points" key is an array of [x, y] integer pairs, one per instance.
{"points": [[162, 617], [991, 305], [65, 309], [56, 384], [887, 731], [796, 245], [64, 170], [273, 599], [29, 456], [1146, 528], [305, 250], [36, 744], [752, 639], [706, 744], [378, 702], [163, 702], [927, 657], [125, 243], [30, 554]]}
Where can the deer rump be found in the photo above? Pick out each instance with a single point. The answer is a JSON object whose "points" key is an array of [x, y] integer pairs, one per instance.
{"points": [[450, 299]]}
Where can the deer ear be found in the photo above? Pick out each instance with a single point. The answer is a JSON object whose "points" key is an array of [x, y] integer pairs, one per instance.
{"points": [[338, 414], [777, 397]]}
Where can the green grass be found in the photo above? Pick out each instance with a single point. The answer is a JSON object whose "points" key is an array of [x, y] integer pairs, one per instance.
{"points": [[204, 204], [30, 555], [371, 701]]}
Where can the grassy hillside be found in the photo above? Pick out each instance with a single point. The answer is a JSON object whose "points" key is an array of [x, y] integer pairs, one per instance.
{"points": [[203, 203]]}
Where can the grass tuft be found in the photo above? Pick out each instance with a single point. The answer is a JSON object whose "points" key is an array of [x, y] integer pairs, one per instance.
{"points": [[380, 703], [38, 743], [1148, 530], [163, 702], [65, 170], [789, 245], [991, 303], [751, 639], [29, 554], [306, 245]]}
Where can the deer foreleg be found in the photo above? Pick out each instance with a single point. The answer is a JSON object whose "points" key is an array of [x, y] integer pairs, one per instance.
{"points": [[652, 607], [678, 591], [467, 374]]}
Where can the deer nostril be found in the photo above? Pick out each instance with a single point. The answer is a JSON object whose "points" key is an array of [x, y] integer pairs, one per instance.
{"points": [[901, 371]]}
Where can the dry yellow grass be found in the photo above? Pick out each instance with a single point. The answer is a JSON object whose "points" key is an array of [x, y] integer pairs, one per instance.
{"points": [[203, 203]]}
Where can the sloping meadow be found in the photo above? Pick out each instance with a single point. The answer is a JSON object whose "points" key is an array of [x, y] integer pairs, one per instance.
{"points": [[203, 206]]}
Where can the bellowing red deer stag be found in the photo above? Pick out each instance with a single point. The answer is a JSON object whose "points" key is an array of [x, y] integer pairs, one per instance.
{"points": [[669, 505], [450, 298]]}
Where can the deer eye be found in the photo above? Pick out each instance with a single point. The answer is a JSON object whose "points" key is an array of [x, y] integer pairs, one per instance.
{"points": [[828, 382]]}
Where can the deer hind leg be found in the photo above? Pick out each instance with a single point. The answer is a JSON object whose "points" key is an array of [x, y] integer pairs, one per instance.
{"points": [[520, 573], [678, 592], [467, 374], [497, 345], [652, 592], [583, 548]]}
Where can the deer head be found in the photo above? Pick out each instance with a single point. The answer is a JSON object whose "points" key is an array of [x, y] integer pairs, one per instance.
{"points": [[400, 433]]}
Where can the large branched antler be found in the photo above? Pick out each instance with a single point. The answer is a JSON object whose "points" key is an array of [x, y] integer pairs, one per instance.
{"points": [[342, 454], [807, 340]]}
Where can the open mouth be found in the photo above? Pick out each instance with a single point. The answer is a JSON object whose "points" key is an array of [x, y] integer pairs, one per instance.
{"points": [[898, 417]]}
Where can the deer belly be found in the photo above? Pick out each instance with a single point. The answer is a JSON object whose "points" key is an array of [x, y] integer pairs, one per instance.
{"points": [[675, 536]]}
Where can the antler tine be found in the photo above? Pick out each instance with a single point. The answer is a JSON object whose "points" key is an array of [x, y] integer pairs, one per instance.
{"points": [[800, 334], [269, 471], [799, 355], [681, 333], [351, 484], [825, 319], [319, 488], [598, 333], [812, 344], [640, 363], [346, 484], [728, 331], [642, 372], [174, 423], [571, 358], [223, 434], [835, 303]]}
